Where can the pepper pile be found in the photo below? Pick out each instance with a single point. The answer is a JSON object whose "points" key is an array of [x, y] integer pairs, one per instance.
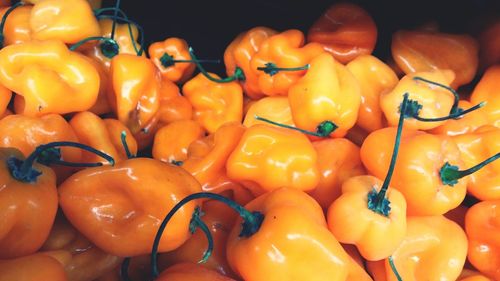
{"points": [[311, 160]]}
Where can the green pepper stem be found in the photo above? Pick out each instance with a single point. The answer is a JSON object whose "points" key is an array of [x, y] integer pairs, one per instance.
{"points": [[450, 174], [113, 28], [139, 51], [237, 76], [458, 113], [323, 130], [123, 138], [272, 69], [251, 221], [454, 108], [196, 223], [168, 61], [378, 202], [394, 269], [109, 47], [4, 20], [124, 269]]}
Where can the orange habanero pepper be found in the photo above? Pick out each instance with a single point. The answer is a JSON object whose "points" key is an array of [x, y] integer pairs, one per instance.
{"points": [[173, 105], [5, 96], [488, 90], [326, 99], [468, 275], [191, 272], [482, 223], [276, 108], [214, 104], [165, 56], [489, 45], [45, 73], [17, 28], [466, 124], [346, 31], [34, 267], [423, 51]]}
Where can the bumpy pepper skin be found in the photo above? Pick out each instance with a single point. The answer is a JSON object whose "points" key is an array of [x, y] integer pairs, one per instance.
{"points": [[173, 105], [33, 267], [136, 87], [44, 73], [327, 92], [27, 209], [240, 52], [436, 102], [5, 96], [346, 31], [417, 172], [17, 29], [176, 48], [275, 108], [214, 103], [464, 125], [434, 248], [292, 242], [374, 78], [285, 50], [172, 141], [338, 160], [191, 272], [488, 90], [67, 20], [270, 157], [482, 223], [421, 51], [351, 221], [489, 45], [120, 208], [474, 148]]}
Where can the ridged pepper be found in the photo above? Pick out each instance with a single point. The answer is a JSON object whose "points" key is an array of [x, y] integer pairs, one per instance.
{"points": [[17, 26], [163, 55], [5, 96], [487, 90], [346, 31], [173, 105], [33, 267], [275, 108], [466, 124]]}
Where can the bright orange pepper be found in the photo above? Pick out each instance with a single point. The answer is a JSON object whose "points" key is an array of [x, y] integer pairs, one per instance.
{"points": [[487, 90], [423, 51], [338, 160], [434, 248], [466, 124], [489, 45], [482, 223], [374, 77], [93, 131], [164, 54], [46, 72], [173, 105], [146, 135], [214, 104], [6, 113], [67, 20], [240, 52], [33, 267], [327, 93], [172, 141], [191, 272], [5, 96], [267, 158], [346, 31], [219, 218], [136, 87], [17, 28], [275, 108], [474, 148], [119, 208], [436, 101], [28, 200], [421, 168], [101, 105], [283, 50]]}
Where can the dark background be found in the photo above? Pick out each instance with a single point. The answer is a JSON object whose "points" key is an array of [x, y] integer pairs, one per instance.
{"points": [[209, 26]]}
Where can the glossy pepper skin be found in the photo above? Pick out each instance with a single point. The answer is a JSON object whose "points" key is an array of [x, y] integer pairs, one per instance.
{"points": [[172, 141], [487, 90], [28, 209], [5, 96], [275, 108], [327, 92], [422, 51], [346, 31], [351, 221], [434, 248], [119, 208], [214, 104], [33, 267], [191, 272], [173, 105], [464, 125], [338, 160], [436, 102], [489, 45], [482, 226], [285, 50], [474, 148], [43, 73], [374, 78], [267, 158], [240, 52], [417, 172], [17, 28], [176, 49], [136, 87], [67, 20], [292, 242]]}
